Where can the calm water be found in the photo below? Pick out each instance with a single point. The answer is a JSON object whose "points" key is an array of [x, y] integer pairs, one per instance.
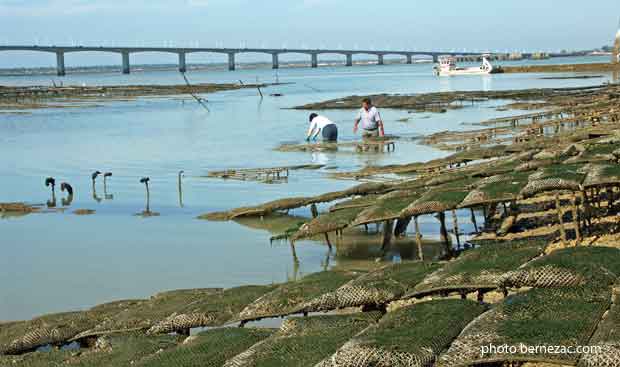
{"points": [[59, 261]]}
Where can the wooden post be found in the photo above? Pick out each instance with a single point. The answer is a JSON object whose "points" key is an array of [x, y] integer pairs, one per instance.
{"points": [[587, 220], [387, 234], [576, 221], [455, 223], [443, 233], [314, 210], [401, 226], [491, 211], [329, 244], [148, 198], [610, 199], [418, 238], [559, 211], [295, 258], [473, 219]]}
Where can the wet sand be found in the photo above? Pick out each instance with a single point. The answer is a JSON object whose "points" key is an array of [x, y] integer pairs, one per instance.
{"points": [[20, 98], [568, 68]]}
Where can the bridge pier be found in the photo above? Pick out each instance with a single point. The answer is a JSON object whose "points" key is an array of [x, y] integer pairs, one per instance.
{"points": [[275, 63], [126, 68], [60, 63], [315, 60], [231, 61], [380, 59], [435, 59], [182, 65], [349, 60], [409, 59]]}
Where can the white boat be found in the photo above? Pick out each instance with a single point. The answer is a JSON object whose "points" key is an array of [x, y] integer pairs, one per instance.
{"points": [[447, 67]]}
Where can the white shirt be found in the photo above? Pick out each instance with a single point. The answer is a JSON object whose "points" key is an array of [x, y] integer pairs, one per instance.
{"points": [[317, 124], [320, 122], [369, 119]]}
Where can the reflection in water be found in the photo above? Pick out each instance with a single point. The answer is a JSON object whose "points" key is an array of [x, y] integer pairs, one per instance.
{"points": [[325, 263], [487, 82], [95, 197], [445, 84], [94, 179], [180, 188], [69, 189], [105, 186], [51, 182], [275, 224], [320, 158]]}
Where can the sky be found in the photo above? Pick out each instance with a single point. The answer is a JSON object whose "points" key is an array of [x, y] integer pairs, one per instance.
{"points": [[473, 25]]}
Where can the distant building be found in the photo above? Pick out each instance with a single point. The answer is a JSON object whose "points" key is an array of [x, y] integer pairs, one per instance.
{"points": [[540, 55], [515, 56]]}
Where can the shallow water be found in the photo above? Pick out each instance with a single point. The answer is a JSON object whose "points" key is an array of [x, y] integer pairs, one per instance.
{"points": [[60, 261]]}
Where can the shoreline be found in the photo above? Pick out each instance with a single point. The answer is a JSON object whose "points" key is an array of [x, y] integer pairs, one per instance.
{"points": [[563, 68], [38, 97]]}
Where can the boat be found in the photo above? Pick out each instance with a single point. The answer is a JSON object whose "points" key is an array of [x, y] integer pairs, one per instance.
{"points": [[447, 67]]}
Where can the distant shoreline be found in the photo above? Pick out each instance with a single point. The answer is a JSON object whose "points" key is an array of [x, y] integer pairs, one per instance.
{"points": [[35, 97], [562, 68]]}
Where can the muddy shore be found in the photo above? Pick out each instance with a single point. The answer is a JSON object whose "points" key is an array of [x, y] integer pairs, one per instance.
{"points": [[442, 101], [567, 68], [33, 97]]}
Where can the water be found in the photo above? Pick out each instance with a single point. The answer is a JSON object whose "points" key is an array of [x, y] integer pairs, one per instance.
{"points": [[60, 261]]}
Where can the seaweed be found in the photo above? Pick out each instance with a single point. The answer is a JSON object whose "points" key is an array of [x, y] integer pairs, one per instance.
{"points": [[564, 317], [482, 268], [304, 341], [290, 297], [376, 288], [410, 336], [211, 348]]}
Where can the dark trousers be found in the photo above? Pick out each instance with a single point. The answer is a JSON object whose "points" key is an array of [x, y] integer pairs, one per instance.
{"points": [[330, 133]]}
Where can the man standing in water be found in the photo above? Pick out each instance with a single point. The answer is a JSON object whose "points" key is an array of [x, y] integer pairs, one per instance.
{"points": [[371, 120], [323, 125]]}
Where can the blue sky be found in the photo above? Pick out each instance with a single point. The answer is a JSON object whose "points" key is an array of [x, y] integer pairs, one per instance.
{"points": [[411, 24]]}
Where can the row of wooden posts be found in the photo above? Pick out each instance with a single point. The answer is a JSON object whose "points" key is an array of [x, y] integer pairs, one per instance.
{"points": [[581, 220]]}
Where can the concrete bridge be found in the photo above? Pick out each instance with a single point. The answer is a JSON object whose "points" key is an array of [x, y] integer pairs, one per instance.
{"points": [[125, 52]]}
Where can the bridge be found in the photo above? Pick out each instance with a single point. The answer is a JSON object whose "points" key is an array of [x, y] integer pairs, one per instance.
{"points": [[125, 52]]}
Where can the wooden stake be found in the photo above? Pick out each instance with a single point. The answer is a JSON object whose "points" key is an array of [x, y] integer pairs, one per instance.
{"points": [[443, 233], [387, 234], [559, 211], [314, 210], [610, 199], [588, 211], [401, 226], [576, 220], [295, 259], [455, 223], [329, 244], [473, 220], [418, 238]]}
